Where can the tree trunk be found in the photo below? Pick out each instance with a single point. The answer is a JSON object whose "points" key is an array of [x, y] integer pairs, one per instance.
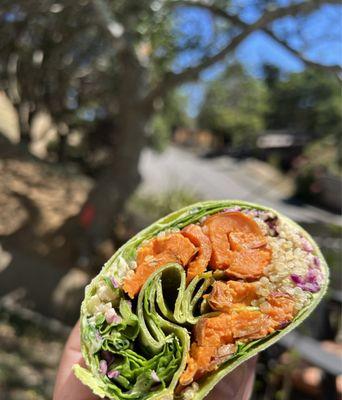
{"points": [[62, 143], [61, 149], [25, 116], [119, 180]]}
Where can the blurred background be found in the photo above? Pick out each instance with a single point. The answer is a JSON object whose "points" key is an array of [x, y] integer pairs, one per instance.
{"points": [[114, 113]]}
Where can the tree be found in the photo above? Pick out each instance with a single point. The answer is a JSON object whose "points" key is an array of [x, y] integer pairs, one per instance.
{"points": [[271, 75], [84, 61], [234, 106], [171, 114], [308, 103]]}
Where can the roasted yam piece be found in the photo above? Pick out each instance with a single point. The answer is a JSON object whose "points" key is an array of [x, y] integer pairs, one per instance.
{"points": [[177, 244], [241, 240], [220, 227], [250, 324], [211, 333], [158, 252], [214, 334], [281, 309], [195, 234], [248, 264], [132, 285], [227, 294], [191, 368]]}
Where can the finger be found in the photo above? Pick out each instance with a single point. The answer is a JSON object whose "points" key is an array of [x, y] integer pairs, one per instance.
{"points": [[237, 385], [67, 386]]}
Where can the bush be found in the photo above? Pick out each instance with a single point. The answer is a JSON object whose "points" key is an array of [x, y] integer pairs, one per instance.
{"points": [[320, 158]]}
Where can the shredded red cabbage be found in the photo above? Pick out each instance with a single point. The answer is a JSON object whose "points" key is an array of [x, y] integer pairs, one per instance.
{"points": [[308, 283], [115, 283], [317, 261], [307, 246], [113, 374]]}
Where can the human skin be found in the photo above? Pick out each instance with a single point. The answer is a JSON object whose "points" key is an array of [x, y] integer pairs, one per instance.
{"points": [[238, 385], [67, 386]]}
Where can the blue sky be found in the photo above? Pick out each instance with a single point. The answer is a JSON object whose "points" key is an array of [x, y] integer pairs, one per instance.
{"points": [[321, 37]]}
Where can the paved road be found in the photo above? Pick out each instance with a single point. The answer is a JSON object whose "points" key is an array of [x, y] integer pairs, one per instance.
{"points": [[221, 178]]}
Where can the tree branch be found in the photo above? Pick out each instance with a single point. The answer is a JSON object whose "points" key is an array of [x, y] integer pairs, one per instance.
{"points": [[336, 69], [192, 73], [234, 19], [268, 16]]}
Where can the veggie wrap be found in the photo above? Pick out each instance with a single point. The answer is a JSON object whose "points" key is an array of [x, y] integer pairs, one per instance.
{"points": [[193, 296]]}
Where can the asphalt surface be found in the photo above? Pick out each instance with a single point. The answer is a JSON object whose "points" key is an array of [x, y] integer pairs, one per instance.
{"points": [[223, 178]]}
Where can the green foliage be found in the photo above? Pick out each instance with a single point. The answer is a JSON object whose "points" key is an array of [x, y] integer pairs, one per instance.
{"points": [[160, 132], [171, 114], [324, 153], [238, 106], [90, 69], [320, 158], [307, 102], [156, 205], [67, 59], [234, 106], [61, 59]]}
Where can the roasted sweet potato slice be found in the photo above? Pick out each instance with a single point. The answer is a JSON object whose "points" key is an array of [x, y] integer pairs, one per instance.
{"points": [[218, 228], [248, 264], [158, 252], [188, 375], [177, 244], [240, 323], [195, 234], [281, 309], [242, 240], [213, 331], [225, 294], [210, 334], [132, 285], [250, 324], [145, 251], [203, 356]]}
